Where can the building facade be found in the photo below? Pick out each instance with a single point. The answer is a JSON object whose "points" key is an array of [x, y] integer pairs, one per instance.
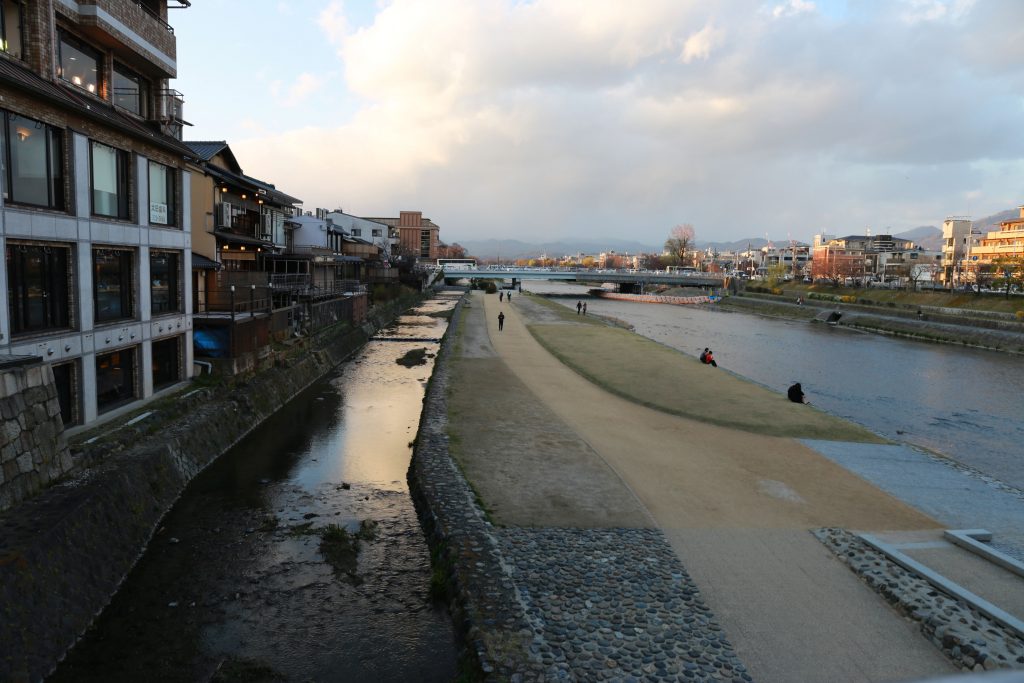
{"points": [[95, 212], [1006, 243], [417, 236], [957, 238]]}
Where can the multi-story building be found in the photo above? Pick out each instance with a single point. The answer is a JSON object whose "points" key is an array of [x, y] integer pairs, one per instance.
{"points": [[417, 236], [1005, 243], [957, 237], [95, 210], [380, 234]]}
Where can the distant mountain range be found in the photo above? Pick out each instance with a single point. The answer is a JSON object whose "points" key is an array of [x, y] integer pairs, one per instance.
{"points": [[927, 236]]}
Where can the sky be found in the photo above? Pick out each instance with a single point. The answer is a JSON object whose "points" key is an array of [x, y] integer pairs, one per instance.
{"points": [[556, 119]]}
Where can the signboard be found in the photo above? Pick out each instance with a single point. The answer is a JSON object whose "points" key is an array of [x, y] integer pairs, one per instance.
{"points": [[157, 213]]}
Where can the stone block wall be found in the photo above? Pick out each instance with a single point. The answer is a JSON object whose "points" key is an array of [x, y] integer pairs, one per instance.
{"points": [[33, 451]]}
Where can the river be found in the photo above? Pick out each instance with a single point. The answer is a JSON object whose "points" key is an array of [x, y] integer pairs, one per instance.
{"points": [[959, 402], [234, 585]]}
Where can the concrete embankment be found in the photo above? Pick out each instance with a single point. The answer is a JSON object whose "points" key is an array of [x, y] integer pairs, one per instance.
{"points": [[940, 325], [64, 553]]}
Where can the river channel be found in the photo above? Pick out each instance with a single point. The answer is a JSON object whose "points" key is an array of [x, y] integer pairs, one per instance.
{"points": [[959, 402], [234, 585]]}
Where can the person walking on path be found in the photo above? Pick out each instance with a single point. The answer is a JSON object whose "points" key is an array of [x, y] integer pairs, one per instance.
{"points": [[501, 321], [584, 308], [578, 307], [796, 393], [509, 296], [501, 296]]}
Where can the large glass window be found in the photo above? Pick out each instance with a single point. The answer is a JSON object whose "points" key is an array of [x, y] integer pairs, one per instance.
{"points": [[110, 173], [79, 64], [11, 32], [130, 91], [161, 194], [33, 158], [38, 286], [164, 276], [115, 378], [166, 362], [113, 284]]}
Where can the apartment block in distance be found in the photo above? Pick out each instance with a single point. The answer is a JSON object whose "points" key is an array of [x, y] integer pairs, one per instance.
{"points": [[94, 216], [418, 237]]}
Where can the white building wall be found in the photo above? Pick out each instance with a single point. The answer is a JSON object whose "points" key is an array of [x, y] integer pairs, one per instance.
{"points": [[82, 231]]}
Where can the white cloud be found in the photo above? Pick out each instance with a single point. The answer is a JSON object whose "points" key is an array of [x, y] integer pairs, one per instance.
{"points": [[304, 85], [792, 8], [699, 45], [588, 115]]}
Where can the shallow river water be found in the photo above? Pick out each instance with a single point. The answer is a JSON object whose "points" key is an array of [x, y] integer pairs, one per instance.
{"points": [[235, 586], [963, 403]]}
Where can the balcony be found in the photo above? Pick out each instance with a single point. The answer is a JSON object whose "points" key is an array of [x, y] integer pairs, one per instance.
{"points": [[170, 106], [150, 37]]}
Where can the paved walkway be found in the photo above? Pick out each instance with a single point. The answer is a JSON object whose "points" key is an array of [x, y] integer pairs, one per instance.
{"points": [[737, 508]]}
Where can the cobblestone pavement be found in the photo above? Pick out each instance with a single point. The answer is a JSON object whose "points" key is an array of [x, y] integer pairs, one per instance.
{"points": [[614, 605]]}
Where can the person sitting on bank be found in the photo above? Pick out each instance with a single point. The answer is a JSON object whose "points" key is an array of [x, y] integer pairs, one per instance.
{"points": [[704, 355], [709, 358], [796, 393]]}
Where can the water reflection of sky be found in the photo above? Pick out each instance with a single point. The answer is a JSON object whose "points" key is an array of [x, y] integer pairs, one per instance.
{"points": [[377, 418], [958, 401]]}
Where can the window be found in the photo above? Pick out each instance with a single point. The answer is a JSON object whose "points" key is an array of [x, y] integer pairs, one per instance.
{"points": [[130, 91], [65, 379], [164, 278], [115, 379], [166, 362], [110, 172], [78, 64], [357, 232], [33, 157], [112, 284], [10, 27], [38, 286], [162, 194], [376, 232]]}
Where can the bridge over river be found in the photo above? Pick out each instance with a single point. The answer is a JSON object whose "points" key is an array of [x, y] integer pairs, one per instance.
{"points": [[627, 280]]}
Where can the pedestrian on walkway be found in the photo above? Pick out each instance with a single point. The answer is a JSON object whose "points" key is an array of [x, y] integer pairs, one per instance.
{"points": [[579, 306], [501, 321], [501, 296], [584, 308], [509, 296]]}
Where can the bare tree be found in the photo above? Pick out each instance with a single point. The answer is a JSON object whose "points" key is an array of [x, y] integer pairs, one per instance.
{"points": [[680, 241]]}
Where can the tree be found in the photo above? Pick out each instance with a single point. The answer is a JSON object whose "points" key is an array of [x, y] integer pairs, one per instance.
{"points": [[1010, 270], [680, 241]]}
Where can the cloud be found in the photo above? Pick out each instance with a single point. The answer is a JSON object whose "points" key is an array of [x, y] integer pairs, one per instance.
{"points": [[596, 116], [792, 8], [305, 85], [698, 45]]}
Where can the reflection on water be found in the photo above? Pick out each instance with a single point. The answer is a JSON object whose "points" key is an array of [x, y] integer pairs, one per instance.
{"points": [[235, 580], [961, 402]]}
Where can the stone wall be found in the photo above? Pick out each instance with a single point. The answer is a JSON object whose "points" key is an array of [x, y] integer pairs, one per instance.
{"points": [[33, 451]]}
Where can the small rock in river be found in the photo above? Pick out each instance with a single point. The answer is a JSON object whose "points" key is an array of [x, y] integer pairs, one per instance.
{"points": [[172, 539], [172, 604]]}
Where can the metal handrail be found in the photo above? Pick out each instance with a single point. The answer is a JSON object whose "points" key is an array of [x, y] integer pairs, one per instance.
{"points": [[170, 29]]}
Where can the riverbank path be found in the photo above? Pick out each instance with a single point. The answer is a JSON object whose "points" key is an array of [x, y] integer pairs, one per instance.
{"points": [[736, 506]]}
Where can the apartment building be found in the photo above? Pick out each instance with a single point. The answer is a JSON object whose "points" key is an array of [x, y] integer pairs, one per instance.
{"points": [[417, 236], [1003, 244], [95, 212], [957, 239]]}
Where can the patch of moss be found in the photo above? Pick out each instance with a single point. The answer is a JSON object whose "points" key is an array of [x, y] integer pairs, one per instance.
{"points": [[341, 550]]}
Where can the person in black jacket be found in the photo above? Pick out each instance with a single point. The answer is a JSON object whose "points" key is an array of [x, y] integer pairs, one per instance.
{"points": [[796, 393]]}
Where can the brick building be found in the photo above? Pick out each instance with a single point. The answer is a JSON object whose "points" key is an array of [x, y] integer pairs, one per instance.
{"points": [[417, 236], [95, 211]]}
